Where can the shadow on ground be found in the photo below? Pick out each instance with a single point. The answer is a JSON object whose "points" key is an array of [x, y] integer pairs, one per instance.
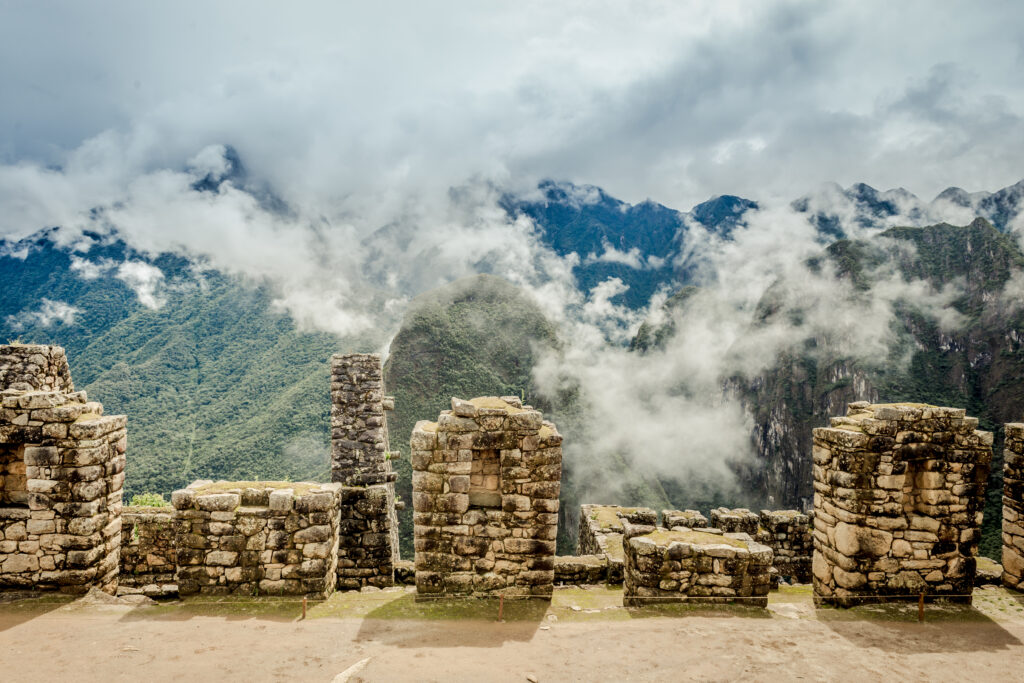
{"points": [[18, 607]]}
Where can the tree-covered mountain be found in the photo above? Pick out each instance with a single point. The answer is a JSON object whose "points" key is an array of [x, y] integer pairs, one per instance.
{"points": [[638, 243]]}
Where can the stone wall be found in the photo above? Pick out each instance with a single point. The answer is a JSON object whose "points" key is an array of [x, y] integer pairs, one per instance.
{"points": [[688, 565], [789, 534], [691, 519], [148, 555], [252, 538], [600, 533], [735, 521], [581, 570], [1013, 506], [366, 527], [360, 449], [898, 498], [480, 535], [61, 476], [34, 367]]}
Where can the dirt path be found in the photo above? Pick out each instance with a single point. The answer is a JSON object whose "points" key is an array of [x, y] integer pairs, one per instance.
{"points": [[592, 642]]}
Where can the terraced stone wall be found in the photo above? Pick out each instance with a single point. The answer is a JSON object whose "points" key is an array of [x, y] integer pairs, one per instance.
{"points": [[898, 499]]}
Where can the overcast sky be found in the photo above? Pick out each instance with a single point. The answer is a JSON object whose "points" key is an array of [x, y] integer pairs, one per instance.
{"points": [[392, 102]]}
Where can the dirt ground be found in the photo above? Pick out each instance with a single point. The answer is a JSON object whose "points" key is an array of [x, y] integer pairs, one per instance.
{"points": [[582, 635]]}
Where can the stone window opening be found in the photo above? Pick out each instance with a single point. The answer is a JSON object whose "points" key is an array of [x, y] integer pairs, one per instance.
{"points": [[13, 481], [485, 480]]}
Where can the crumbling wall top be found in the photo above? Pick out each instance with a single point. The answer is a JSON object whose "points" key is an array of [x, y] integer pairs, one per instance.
{"points": [[34, 367]]}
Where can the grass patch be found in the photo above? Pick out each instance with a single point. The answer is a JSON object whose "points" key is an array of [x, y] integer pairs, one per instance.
{"points": [[300, 488], [664, 537]]}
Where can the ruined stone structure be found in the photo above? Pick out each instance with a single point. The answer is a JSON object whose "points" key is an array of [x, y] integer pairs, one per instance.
{"points": [[735, 521], [898, 497], [257, 538], [361, 457], [486, 480], [1013, 506], [600, 534], [789, 534], [691, 519], [148, 552], [690, 565], [581, 570], [61, 475]]}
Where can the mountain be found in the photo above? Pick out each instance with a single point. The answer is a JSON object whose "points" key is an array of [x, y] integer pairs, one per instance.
{"points": [[833, 210], [638, 243], [215, 383], [977, 365]]}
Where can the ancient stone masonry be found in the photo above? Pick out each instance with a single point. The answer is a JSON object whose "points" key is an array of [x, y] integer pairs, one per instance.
{"points": [[148, 555], [1013, 506], [361, 456], [737, 521], [486, 480], [61, 476], [581, 570], [254, 538], [34, 367], [691, 519], [601, 533], [685, 564], [366, 556], [788, 534], [898, 498]]}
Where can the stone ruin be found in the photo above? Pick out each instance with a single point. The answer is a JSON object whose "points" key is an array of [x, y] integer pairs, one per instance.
{"points": [[361, 459], [61, 474], [898, 497], [486, 478], [600, 535], [683, 564], [252, 538], [1013, 506]]}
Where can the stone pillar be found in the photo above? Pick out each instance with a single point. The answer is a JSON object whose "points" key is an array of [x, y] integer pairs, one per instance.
{"points": [[486, 478], [898, 497], [361, 454], [1013, 506]]}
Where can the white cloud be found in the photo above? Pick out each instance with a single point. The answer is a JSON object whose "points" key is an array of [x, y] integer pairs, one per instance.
{"points": [[143, 279], [48, 314]]}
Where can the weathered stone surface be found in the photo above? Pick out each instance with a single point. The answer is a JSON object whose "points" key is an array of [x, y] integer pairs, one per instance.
{"points": [[486, 478], [893, 513], [60, 469]]}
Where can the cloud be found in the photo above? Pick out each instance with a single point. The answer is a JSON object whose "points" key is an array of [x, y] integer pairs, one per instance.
{"points": [[49, 313], [143, 280]]}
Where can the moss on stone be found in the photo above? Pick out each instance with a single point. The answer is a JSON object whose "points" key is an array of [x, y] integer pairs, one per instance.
{"points": [[301, 488], [494, 403], [664, 537]]}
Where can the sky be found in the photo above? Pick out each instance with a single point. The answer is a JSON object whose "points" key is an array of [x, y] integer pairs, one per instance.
{"points": [[350, 107]]}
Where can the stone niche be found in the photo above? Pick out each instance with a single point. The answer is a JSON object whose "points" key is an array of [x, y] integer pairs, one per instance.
{"points": [[257, 538], [898, 498], [600, 533], [61, 477], [691, 565], [1013, 506], [485, 481]]}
